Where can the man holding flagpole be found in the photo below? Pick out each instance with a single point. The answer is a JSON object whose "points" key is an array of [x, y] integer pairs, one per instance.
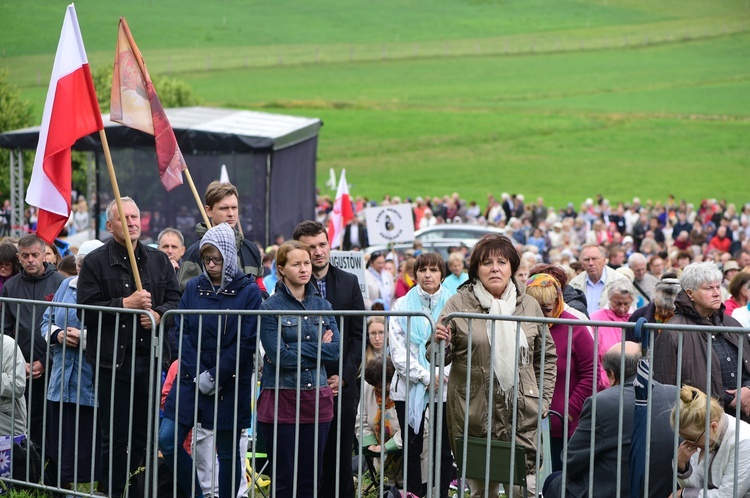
{"points": [[120, 347]]}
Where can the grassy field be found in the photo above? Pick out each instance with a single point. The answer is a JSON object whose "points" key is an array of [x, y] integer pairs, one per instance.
{"points": [[558, 98]]}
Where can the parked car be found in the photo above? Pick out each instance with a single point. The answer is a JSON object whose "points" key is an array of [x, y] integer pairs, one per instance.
{"points": [[440, 239]]}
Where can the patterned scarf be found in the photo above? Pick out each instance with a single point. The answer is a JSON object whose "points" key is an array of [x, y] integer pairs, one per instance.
{"points": [[545, 280], [389, 404]]}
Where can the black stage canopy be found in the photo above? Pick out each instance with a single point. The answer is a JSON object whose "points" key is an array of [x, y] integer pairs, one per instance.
{"points": [[269, 157]]}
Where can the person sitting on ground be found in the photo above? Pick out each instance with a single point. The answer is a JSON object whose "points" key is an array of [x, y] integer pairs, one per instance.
{"points": [[719, 435], [377, 420]]}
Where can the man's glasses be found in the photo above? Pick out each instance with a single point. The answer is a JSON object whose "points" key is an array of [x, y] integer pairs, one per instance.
{"points": [[208, 260]]}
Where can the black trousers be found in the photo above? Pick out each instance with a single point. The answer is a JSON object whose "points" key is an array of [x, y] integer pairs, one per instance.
{"points": [[442, 452], [36, 400], [345, 441], [126, 453], [281, 453]]}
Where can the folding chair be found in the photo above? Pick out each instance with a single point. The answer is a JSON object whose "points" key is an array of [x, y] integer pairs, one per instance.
{"points": [[261, 482], [369, 458], [498, 464]]}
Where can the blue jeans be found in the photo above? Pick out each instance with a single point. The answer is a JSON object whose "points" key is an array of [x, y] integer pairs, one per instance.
{"points": [[227, 449]]}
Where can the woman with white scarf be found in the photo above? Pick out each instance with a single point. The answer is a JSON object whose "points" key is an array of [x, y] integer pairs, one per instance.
{"points": [[492, 289], [429, 295]]}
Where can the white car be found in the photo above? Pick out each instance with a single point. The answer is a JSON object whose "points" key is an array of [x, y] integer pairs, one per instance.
{"points": [[440, 238]]}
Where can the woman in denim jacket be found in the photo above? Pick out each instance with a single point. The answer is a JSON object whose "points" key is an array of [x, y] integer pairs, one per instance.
{"points": [[294, 386], [71, 387]]}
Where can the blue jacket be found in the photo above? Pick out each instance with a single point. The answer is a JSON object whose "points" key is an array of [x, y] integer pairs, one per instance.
{"points": [[310, 377], [195, 357], [64, 377]]}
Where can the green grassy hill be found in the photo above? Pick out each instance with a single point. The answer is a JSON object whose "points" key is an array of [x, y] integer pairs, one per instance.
{"points": [[557, 98]]}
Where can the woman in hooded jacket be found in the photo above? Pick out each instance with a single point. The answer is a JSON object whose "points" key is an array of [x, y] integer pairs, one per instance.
{"points": [[216, 365]]}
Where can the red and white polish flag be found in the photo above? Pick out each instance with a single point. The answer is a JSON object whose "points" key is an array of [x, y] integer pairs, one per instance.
{"points": [[341, 215], [71, 111]]}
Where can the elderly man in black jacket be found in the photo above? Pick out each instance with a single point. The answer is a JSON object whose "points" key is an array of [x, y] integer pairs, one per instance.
{"points": [[120, 346], [342, 290]]}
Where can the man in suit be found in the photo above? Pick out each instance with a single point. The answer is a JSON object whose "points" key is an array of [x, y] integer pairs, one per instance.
{"points": [[355, 235], [342, 290], [606, 435]]}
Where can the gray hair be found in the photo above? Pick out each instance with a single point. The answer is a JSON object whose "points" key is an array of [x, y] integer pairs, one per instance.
{"points": [[697, 274], [113, 204], [620, 286], [665, 292], [173, 231], [611, 363], [599, 248], [636, 257]]}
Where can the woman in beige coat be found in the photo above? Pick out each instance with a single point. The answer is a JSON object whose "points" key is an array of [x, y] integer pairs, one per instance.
{"points": [[492, 289]]}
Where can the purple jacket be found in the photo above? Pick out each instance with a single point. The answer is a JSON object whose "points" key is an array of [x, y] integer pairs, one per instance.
{"points": [[581, 373]]}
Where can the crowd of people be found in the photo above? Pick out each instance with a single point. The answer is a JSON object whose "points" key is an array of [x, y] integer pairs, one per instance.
{"points": [[667, 262]]}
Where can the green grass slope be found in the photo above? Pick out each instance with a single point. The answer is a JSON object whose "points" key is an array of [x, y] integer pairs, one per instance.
{"points": [[557, 98]]}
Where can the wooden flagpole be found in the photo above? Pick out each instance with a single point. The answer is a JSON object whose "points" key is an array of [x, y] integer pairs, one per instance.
{"points": [[197, 197], [121, 213], [142, 67]]}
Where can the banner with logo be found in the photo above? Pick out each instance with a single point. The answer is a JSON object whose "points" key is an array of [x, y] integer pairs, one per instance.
{"points": [[390, 224]]}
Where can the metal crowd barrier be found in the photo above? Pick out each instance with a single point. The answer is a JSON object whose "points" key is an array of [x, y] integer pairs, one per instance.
{"points": [[374, 482], [49, 478]]}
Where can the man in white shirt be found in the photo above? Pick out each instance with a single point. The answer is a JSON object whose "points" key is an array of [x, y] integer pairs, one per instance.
{"points": [[596, 275]]}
